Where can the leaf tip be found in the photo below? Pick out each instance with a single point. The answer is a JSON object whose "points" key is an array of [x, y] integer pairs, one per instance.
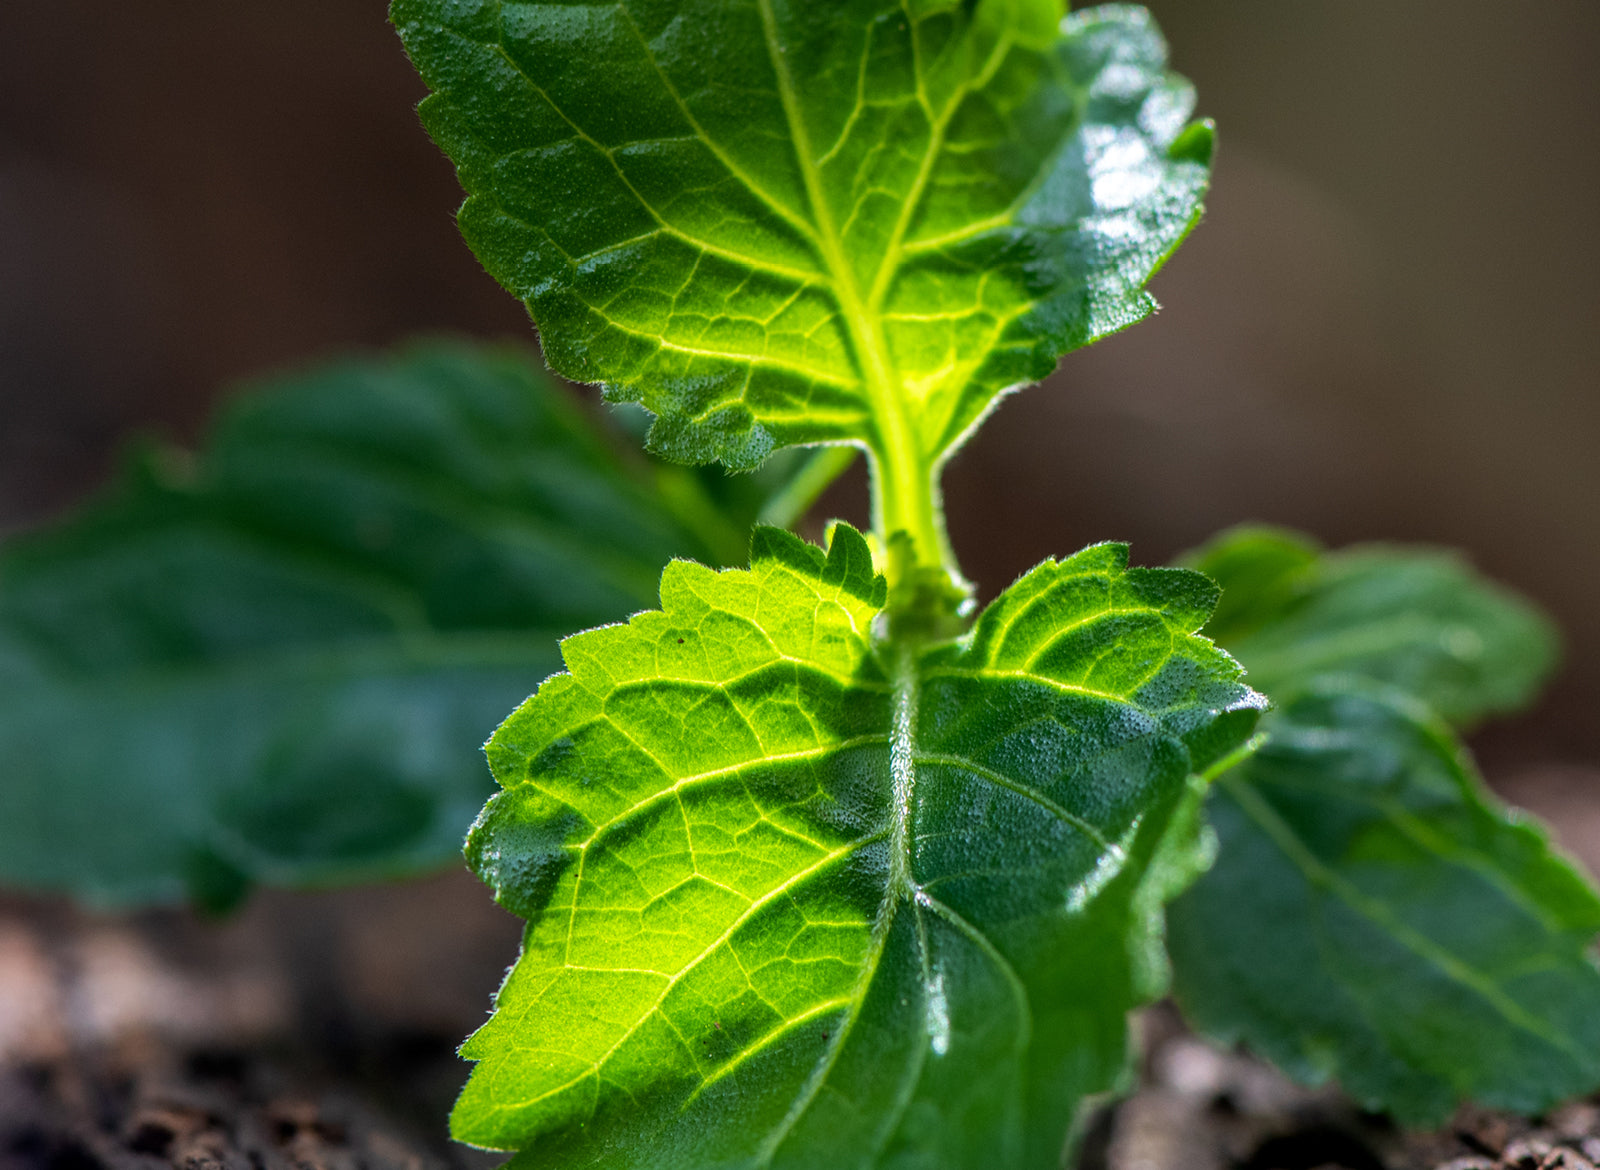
{"points": [[1197, 143]]}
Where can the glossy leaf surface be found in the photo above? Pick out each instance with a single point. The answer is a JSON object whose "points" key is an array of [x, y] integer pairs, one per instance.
{"points": [[797, 897], [1374, 915], [276, 660], [1377, 917], [783, 221]]}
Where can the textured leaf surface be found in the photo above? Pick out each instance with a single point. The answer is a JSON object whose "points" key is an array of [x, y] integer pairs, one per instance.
{"points": [[277, 661], [793, 903], [1419, 619], [1374, 914], [783, 221]]}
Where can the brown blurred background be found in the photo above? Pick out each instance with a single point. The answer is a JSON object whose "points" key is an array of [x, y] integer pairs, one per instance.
{"points": [[1387, 328]]}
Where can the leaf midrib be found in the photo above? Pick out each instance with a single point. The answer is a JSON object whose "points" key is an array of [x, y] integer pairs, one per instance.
{"points": [[1321, 876], [900, 885], [895, 440], [893, 433], [1425, 837]]}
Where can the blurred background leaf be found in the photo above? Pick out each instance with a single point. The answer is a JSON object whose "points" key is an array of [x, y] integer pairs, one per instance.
{"points": [[275, 660], [1374, 914]]}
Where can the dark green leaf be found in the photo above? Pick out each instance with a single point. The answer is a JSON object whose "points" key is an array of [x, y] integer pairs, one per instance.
{"points": [[1374, 915], [275, 661], [798, 897], [1419, 619], [784, 221]]}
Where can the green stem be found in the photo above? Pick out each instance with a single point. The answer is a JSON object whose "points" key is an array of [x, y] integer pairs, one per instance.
{"points": [[928, 600], [692, 506], [787, 507], [906, 498]]}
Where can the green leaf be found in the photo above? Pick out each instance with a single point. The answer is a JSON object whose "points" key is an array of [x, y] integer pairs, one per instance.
{"points": [[1419, 619], [1376, 916], [275, 660], [799, 897], [778, 222]]}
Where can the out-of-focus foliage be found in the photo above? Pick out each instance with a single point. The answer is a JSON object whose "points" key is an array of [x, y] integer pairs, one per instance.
{"points": [[275, 660], [1374, 914]]}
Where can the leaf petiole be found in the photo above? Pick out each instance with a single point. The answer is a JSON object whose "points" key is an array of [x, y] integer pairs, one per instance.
{"points": [[796, 497]]}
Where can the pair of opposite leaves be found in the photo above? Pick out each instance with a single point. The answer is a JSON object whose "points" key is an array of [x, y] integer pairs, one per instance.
{"points": [[1371, 915], [886, 904], [796, 895], [994, 191]]}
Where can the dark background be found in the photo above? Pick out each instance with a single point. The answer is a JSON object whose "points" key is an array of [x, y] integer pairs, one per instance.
{"points": [[1387, 328]]}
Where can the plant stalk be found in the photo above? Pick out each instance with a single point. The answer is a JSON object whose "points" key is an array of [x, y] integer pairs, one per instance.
{"points": [[929, 599]]}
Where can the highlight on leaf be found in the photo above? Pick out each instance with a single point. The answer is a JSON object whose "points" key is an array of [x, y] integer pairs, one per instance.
{"points": [[796, 894]]}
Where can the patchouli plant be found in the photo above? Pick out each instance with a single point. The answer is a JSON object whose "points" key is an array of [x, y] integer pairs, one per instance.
{"points": [[819, 867], [822, 865]]}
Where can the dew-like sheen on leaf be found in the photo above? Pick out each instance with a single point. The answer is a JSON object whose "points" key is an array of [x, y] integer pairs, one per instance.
{"points": [[800, 898], [276, 660], [1376, 916], [784, 221]]}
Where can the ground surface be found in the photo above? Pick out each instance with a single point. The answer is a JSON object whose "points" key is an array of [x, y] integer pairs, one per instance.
{"points": [[317, 1031]]}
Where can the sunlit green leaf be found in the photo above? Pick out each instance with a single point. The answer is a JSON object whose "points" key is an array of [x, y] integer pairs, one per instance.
{"points": [[801, 897], [1376, 916], [791, 221], [275, 660]]}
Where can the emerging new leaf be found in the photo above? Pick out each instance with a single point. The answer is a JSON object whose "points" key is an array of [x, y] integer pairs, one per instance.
{"points": [[1374, 914], [798, 897], [803, 221], [275, 660]]}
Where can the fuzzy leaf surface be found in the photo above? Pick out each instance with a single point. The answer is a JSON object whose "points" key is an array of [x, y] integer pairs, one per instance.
{"points": [[1374, 914], [798, 897], [276, 660], [783, 221], [1377, 917]]}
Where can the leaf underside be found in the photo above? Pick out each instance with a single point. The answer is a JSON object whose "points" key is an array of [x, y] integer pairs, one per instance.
{"points": [[796, 898], [781, 221], [1374, 914], [276, 661]]}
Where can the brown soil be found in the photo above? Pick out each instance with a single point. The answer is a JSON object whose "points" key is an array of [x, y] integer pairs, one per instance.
{"points": [[318, 1031], [1201, 1109]]}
